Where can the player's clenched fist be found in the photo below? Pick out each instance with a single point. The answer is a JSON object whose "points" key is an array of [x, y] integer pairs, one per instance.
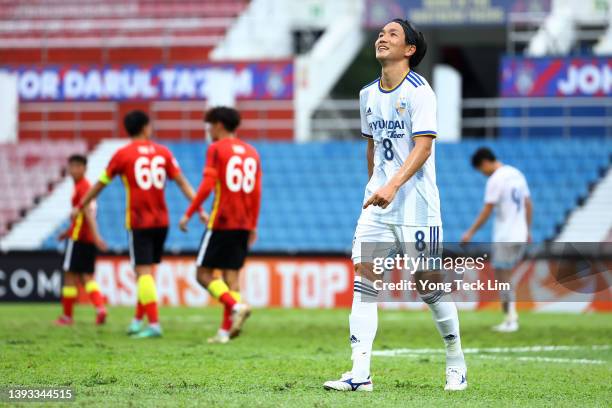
{"points": [[75, 212], [185, 220], [382, 198], [183, 223]]}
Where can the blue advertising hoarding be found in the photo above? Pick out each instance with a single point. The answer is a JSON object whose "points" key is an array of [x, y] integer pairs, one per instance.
{"points": [[556, 76], [260, 80]]}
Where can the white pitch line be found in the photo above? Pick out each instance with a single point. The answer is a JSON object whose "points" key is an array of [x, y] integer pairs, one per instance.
{"points": [[524, 358], [525, 349], [535, 349], [405, 351], [544, 359]]}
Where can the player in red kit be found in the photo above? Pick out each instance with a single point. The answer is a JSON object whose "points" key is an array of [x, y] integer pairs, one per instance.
{"points": [[233, 170], [143, 167], [82, 242]]}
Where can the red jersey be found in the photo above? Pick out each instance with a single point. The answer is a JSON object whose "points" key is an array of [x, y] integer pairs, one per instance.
{"points": [[80, 229], [233, 169], [143, 167]]}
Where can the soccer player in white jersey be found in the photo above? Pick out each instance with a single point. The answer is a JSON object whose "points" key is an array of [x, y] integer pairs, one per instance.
{"points": [[401, 203], [506, 192]]}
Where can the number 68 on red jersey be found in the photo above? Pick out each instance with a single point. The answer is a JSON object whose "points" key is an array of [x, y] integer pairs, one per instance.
{"points": [[233, 170]]}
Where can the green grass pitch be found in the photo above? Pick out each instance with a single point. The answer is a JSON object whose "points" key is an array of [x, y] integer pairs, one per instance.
{"points": [[284, 356]]}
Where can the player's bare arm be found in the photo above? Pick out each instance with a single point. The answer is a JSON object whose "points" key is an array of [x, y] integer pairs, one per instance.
{"points": [[252, 237], [415, 160], [484, 215], [91, 194], [370, 157], [206, 187], [90, 218], [64, 234], [253, 231], [188, 191], [528, 216]]}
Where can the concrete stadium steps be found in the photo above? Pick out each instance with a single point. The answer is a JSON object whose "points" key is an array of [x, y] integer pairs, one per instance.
{"points": [[592, 221]]}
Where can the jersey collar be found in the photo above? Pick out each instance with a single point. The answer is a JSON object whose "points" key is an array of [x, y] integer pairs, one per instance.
{"points": [[385, 90]]}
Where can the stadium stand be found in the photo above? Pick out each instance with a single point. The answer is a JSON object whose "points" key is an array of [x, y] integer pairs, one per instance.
{"points": [[27, 172], [107, 31], [124, 32], [591, 222], [312, 190]]}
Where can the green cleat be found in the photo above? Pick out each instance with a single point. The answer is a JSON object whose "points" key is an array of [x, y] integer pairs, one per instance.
{"points": [[134, 328], [147, 333]]}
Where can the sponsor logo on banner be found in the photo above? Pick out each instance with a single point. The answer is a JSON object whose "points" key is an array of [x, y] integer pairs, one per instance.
{"points": [[24, 277], [261, 80], [556, 76], [293, 282], [282, 282]]}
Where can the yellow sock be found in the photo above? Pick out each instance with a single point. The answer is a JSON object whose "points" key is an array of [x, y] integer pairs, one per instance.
{"points": [[217, 288], [91, 286], [147, 292], [236, 295], [69, 292]]}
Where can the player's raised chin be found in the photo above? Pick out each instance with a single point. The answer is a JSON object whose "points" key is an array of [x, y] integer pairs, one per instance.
{"points": [[390, 46]]}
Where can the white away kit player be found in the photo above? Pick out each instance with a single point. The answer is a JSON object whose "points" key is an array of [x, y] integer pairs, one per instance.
{"points": [[508, 194], [401, 204]]}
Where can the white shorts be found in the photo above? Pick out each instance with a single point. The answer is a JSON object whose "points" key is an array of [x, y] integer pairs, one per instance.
{"points": [[506, 255], [390, 239]]}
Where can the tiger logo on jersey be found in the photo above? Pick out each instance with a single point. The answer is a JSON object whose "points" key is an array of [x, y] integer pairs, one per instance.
{"points": [[401, 105]]}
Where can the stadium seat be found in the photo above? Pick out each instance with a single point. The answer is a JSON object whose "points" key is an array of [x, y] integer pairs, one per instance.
{"points": [[27, 170], [116, 23], [312, 191]]}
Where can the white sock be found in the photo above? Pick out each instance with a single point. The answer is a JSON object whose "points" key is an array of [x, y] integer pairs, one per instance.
{"points": [[511, 315], [444, 313], [507, 298], [155, 326], [136, 321], [363, 323]]}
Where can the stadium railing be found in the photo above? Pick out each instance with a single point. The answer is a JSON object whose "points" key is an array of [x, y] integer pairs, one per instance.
{"points": [[524, 117], [171, 119]]}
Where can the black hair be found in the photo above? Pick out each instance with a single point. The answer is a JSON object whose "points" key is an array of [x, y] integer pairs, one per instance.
{"points": [[481, 155], [413, 37], [135, 121], [228, 117], [77, 158]]}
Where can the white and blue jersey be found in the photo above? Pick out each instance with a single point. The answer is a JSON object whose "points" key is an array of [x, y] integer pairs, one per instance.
{"points": [[393, 118], [507, 190]]}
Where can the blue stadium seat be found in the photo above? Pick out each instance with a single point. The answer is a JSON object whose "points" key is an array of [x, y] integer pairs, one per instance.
{"points": [[312, 192]]}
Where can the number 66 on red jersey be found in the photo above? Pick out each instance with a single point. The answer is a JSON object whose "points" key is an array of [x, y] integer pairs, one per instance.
{"points": [[144, 167]]}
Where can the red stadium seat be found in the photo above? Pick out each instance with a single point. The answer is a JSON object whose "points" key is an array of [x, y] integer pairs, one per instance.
{"points": [[27, 170], [34, 31]]}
